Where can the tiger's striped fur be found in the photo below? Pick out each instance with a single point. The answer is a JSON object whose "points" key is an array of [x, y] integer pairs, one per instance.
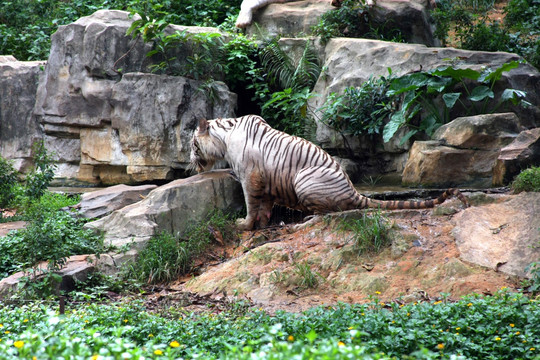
{"points": [[276, 168]]}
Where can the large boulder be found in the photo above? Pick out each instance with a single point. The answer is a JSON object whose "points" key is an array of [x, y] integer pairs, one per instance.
{"points": [[172, 208], [502, 236], [522, 153], [102, 202], [106, 121], [19, 129], [464, 151], [291, 18], [288, 19], [350, 62]]}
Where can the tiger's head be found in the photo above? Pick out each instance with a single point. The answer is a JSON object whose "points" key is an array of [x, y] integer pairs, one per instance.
{"points": [[205, 148]]}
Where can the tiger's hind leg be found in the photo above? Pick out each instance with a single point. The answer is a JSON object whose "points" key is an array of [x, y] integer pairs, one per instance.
{"points": [[323, 189], [258, 205]]}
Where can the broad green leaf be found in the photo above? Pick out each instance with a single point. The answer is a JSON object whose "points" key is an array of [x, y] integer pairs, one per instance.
{"points": [[429, 124], [513, 95], [407, 136], [438, 84], [393, 125], [481, 92], [456, 74], [407, 83], [450, 99], [489, 75]]}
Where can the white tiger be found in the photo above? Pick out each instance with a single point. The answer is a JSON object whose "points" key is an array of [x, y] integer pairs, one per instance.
{"points": [[276, 168]]}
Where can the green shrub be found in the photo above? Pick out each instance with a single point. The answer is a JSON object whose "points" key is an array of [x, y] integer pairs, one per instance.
{"points": [[527, 180], [8, 180], [360, 110], [26, 26], [352, 19], [166, 257], [474, 30], [435, 93], [49, 236]]}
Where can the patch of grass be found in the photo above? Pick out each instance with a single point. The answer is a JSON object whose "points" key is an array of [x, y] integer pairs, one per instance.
{"points": [[308, 278], [527, 180], [166, 257], [370, 233]]}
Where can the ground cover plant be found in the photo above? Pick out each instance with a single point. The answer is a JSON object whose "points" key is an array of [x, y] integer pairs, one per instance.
{"points": [[505, 325]]}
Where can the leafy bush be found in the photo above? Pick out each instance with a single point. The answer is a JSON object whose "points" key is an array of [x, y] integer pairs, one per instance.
{"points": [[286, 88], [50, 236], [503, 326], [166, 257], [8, 180], [352, 19], [527, 180], [40, 176], [360, 110], [519, 33], [438, 91]]}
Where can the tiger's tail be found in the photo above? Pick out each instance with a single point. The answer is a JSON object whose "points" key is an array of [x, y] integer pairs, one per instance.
{"points": [[365, 202]]}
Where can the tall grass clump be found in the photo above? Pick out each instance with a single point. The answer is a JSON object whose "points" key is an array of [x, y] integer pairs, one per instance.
{"points": [[166, 256], [370, 233]]}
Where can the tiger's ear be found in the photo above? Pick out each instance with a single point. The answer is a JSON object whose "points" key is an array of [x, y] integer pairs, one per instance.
{"points": [[203, 126]]}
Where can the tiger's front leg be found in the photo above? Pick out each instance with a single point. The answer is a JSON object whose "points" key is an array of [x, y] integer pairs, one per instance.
{"points": [[256, 202]]}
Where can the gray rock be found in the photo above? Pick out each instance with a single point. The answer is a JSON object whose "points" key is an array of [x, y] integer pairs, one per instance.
{"points": [[288, 19], [350, 62], [522, 153], [464, 152], [502, 236], [106, 120], [171, 207], [102, 202], [19, 129]]}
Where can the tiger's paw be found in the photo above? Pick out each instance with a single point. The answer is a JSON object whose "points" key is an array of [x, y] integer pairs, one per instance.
{"points": [[244, 224]]}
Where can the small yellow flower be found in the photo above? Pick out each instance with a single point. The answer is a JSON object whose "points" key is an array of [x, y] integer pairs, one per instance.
{"points": [[25, 320], [174, 344], [350, 328], [498, 339], [437, 302], [524, 341], [18, 344], [512, 325], [95, 357], [504, 287], [458, 328], [125, 320], [440, 346], [517, 333], [158, 352], [340, 343], [6, 332], [1, 326], [382, 304], [378, 292], [469, 304], [34, 358], [362, 314], [393, 322], [532, 349], [408, 314], [150, 335], [290, 338]]}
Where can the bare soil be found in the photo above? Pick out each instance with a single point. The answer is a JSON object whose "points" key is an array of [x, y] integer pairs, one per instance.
{"points": [[422, 263]]}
